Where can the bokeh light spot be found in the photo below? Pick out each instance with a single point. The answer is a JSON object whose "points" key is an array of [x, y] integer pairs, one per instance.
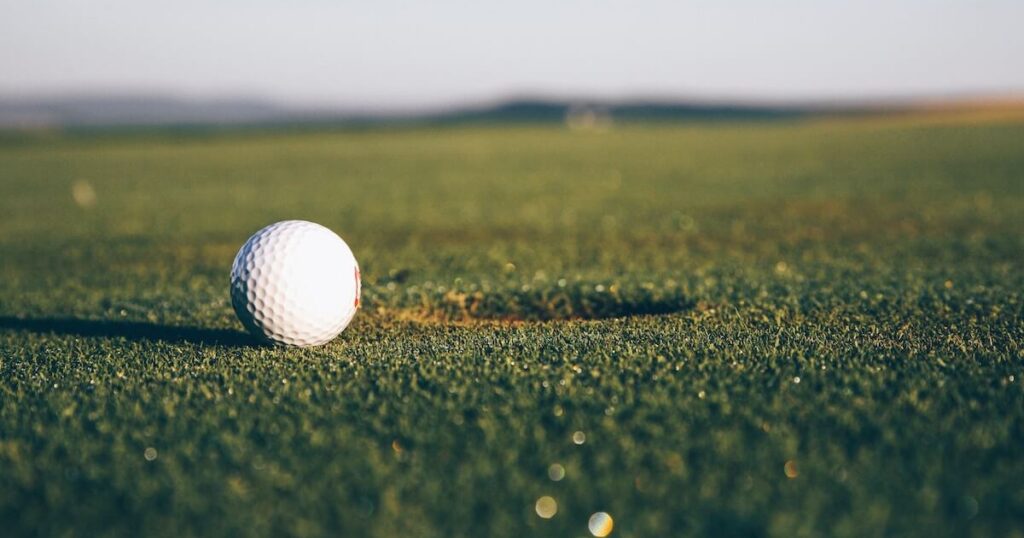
{"points": [[83, 194], [790, 469], [546, 507], [600, 524]]}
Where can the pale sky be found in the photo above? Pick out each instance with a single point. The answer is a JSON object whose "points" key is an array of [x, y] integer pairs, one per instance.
{"points": [[392, 54]]}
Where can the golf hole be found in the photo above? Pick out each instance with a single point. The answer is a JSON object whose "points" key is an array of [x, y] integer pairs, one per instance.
{"points": [[555, 304]]}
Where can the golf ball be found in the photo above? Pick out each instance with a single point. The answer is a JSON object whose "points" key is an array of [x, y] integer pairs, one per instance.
{"points": [[295, 283]]}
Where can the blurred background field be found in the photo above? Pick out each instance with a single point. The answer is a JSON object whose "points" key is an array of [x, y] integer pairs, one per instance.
{"points": [[794, 327]]}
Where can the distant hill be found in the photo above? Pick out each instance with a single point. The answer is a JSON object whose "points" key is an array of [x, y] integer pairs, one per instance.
{"points": [[131, 110], [149, 111], [557, 111]]}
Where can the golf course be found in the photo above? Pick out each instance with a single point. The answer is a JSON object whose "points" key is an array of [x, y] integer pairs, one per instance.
{"points": [[786, 327]]}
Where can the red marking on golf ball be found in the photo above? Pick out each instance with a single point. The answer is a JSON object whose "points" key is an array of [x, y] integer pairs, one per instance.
{"points": [[358, 287]]}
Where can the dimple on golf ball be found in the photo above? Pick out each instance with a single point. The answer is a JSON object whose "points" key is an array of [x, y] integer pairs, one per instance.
{"points": [[295, 283]]}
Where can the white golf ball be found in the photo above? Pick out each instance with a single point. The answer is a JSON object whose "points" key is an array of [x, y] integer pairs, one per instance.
{"points": [[295, 283]]}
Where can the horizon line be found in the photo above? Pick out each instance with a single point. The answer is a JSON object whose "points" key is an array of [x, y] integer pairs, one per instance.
{"points": [[880, 100]]}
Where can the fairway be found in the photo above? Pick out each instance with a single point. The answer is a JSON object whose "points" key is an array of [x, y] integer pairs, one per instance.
{"points": [[779, 328]]}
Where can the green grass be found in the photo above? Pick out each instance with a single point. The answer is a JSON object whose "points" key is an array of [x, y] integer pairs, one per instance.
{"points": [[705, 303]]}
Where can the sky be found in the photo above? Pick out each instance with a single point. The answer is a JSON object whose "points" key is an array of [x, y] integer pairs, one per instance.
{"points": [[387, 54]]}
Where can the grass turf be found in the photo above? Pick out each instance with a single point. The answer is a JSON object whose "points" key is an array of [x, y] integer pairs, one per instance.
{"points": [[762, 329]]}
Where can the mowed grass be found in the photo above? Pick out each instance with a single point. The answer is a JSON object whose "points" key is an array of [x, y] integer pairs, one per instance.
{"points": [[778, 329]]}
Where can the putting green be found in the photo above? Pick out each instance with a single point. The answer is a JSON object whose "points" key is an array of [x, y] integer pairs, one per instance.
{"points": [[790, 328]]}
